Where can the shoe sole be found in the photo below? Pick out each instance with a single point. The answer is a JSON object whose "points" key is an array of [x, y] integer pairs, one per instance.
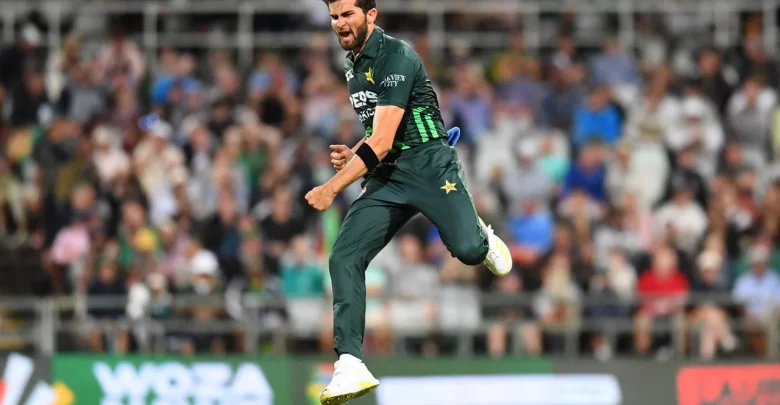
{"points": [[343, 398]]}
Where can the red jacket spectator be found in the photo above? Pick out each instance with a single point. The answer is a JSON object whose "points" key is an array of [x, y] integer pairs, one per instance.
{"points": [[663, 288]]}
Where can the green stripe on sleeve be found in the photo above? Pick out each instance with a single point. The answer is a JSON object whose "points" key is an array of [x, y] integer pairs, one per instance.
{"points": [[431, 126], [420, 124]]}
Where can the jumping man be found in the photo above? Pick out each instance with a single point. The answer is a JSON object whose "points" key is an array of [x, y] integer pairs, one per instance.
{"points": [[411, 169]]}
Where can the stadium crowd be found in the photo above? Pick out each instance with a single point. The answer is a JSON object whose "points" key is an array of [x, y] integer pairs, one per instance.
{"points": [[648, 183]]}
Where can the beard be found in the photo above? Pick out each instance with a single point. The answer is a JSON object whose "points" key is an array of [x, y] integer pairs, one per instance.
{"points": [[355, 39]]}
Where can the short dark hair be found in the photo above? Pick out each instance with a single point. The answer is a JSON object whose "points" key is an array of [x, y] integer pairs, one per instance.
{"points": [[364, 5]]}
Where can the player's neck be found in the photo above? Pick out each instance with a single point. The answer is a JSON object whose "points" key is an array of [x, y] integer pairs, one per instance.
{"points": [[356, 51]]}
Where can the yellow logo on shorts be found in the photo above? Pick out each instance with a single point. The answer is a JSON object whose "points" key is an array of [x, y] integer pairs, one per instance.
{"points": [[448, 186]]}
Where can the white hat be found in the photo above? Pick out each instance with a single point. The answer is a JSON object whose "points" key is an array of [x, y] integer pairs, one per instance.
{"points": [[709, 260], [161, 129], [694, 107], [103, 135], [204, 263], [527, 149], [31, 35]]}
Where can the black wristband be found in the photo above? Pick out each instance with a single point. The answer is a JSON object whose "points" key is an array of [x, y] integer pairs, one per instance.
{"points": [[368, 156]]}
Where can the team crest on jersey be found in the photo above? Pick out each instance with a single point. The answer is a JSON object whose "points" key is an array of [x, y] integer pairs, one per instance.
{"points": [[370, 75]]}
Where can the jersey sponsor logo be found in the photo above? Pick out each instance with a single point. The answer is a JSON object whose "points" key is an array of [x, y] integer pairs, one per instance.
{"points": [[349, 75], [392, 80], [366, 115], [363, 99]]}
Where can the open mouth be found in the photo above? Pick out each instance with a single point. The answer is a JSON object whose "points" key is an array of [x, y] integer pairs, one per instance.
{"points": [[345, 35]]}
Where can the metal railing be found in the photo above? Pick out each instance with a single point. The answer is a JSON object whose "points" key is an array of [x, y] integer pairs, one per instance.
{"points": [[723, 15], [43, 320]]}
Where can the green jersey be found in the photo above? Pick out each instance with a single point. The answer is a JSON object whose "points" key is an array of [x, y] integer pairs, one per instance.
{"points": [[389, 72]]}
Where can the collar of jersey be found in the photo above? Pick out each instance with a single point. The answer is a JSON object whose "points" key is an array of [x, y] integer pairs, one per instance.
{"points": [[369, 51]]}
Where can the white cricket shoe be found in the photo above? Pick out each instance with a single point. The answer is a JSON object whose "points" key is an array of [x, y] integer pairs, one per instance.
{"points": [[499, 259], [351, 379]]}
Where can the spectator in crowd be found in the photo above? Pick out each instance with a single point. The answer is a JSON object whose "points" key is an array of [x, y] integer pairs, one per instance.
{"points": [[301, 277], [597, 119], [699, 129], [749, 115], [711, 318], [16, 58], [588, 174], [681, 221], [107, 327], [616, 281], [684, 174], [712, 77], [531, 232], [662, 291], [758, 290], [557, 304]]}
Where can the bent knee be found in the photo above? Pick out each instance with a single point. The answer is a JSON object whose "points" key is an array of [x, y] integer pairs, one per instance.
{"points": [[471, 253]]}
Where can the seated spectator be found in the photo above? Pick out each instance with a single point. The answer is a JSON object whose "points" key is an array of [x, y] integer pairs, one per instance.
{"points": [[29, 97], [557, 304], [686, 175], [657, 109], [554, 158], [150, 300], [596, 119], [615, 281], [758, 290], [712, 76], [513, 324], [531, 233], [536, 185], [617, 232], [699, 129], [614, 66], [281, 225], [108, 157], [662, 292], [710, 319], [588, 173], [581, 211], [684, 217], [71, 250], [106, 332], [301, 276], [206, 286], [563, 99], [749, 116]]}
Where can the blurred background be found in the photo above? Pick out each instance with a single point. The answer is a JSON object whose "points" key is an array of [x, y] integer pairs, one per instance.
{"points": [[155, 155]]}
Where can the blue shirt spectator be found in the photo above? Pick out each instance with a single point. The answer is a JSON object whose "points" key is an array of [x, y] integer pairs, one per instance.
{"points": [[588, 174], [532, 229], [597, 119], [614, 66]]}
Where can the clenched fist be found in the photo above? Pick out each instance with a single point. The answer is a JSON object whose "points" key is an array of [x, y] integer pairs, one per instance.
{"points": [[340, 155], [320, 198]]}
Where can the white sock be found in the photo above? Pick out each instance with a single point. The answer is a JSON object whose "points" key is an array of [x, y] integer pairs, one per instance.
{"points": [[348, 358]]}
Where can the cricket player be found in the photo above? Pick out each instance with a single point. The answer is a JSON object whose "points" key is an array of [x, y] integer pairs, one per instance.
{"points": [[411, 169]]}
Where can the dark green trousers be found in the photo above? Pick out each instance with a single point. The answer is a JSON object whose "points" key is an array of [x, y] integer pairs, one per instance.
{"points": [[427, 179]]}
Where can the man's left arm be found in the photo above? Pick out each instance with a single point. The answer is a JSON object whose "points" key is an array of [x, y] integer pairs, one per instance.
{"points": [[394, 77]]}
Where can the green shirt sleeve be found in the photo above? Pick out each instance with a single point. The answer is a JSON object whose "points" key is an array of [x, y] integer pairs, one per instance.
{"points": [[395, 79]]}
